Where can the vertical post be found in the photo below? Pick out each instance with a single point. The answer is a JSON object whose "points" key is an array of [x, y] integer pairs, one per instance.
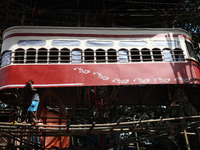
{"points": [[137, 145], [13, 141], [118, 140], [95, 97], [45, 122], [181, 113], [89, 105], [102, 117], [72, 141], [102, 110], [21, 138], [60, 128], [186, 140]]}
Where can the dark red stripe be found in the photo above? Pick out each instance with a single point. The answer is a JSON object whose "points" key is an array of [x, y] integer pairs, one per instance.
{"points": [[183, 36], [89, 35]]}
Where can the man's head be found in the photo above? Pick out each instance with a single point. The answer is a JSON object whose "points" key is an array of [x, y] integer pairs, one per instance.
{"points": [[31, 81]]}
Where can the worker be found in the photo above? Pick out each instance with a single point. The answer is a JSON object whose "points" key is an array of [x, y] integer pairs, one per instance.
{"points": [[32, 110]]}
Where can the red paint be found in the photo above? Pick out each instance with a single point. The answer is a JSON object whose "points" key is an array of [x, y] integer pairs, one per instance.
{"points": [[67, 75]]}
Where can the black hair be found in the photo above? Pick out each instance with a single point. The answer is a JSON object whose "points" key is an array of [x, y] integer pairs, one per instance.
{"points": [[31, 81]]}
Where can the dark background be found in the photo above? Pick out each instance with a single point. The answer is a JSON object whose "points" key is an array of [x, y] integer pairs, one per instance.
{"points": [[183, 14]]}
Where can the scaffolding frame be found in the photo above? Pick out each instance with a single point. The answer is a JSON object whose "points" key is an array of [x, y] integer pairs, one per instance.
{"points": [[19, 134]]}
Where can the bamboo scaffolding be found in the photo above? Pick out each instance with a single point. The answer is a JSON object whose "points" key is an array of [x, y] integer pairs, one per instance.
{"points": [[120, 127], [107, 124], [150, 128], [186, 140], [82, 131], [131, 124], [19, 139]]}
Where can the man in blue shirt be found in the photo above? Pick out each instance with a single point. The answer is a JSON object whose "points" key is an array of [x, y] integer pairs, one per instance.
{"points": [[34, 104]]}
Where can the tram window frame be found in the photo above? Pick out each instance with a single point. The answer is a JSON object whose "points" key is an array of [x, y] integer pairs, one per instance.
{"points": [[178, 54], [112, 55], [132, 43], [157, 54], [66, 43], [146, 55], [4, 58], [122, 56], [64, 55], [165, 43], [53, 55], [190, 49], [100, 56], [40, 58], [135, 55], [91, 43], [77, 58], [166, 57], [32, 57], [31, 42], [19, 58], [89, 56]]}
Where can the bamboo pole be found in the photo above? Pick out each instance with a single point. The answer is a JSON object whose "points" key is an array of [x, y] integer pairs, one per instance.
{"points": [[107, 124], [61, 127], [121, 127], [188, 133], [186, 140]]}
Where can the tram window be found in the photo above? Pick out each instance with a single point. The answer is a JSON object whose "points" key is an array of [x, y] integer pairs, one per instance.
{"points": [[65, 43], [167, 54], [135, 55], [112, 55], [146, 54], [53, 55], [31, 42], [42, 55], [65, 55], [76, 56], [190, 49], [99, 43], [30, 55], [89, 55], [19, 56], [157, 54], [100, 56], [123, 55], [165, 43], [132, 43], [6, 58], [178, 54]]}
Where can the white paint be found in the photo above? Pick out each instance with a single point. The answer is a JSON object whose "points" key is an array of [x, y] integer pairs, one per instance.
{"points": [[162, 80], [121, 81], [186, 80], [81, 70], [141, 80], [101, 76]]}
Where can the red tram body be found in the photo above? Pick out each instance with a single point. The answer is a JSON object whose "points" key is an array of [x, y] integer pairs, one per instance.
{"points": [[145, 63]]}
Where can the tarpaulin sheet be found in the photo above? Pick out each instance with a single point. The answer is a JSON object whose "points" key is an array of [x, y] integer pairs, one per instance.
{"points": [[56, 141]]}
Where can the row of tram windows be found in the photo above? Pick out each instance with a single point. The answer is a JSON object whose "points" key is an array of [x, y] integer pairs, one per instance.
{"points": [[64, 55]]}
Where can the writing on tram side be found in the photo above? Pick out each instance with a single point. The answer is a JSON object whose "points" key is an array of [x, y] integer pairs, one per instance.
{"points": [[135, 80]]}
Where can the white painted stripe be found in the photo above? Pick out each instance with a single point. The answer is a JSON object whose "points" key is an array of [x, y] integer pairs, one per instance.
{"points": [[40, 85]]}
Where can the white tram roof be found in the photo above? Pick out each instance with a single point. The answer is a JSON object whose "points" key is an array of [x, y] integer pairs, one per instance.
{"points": [[93, 30], [12, 35]]}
